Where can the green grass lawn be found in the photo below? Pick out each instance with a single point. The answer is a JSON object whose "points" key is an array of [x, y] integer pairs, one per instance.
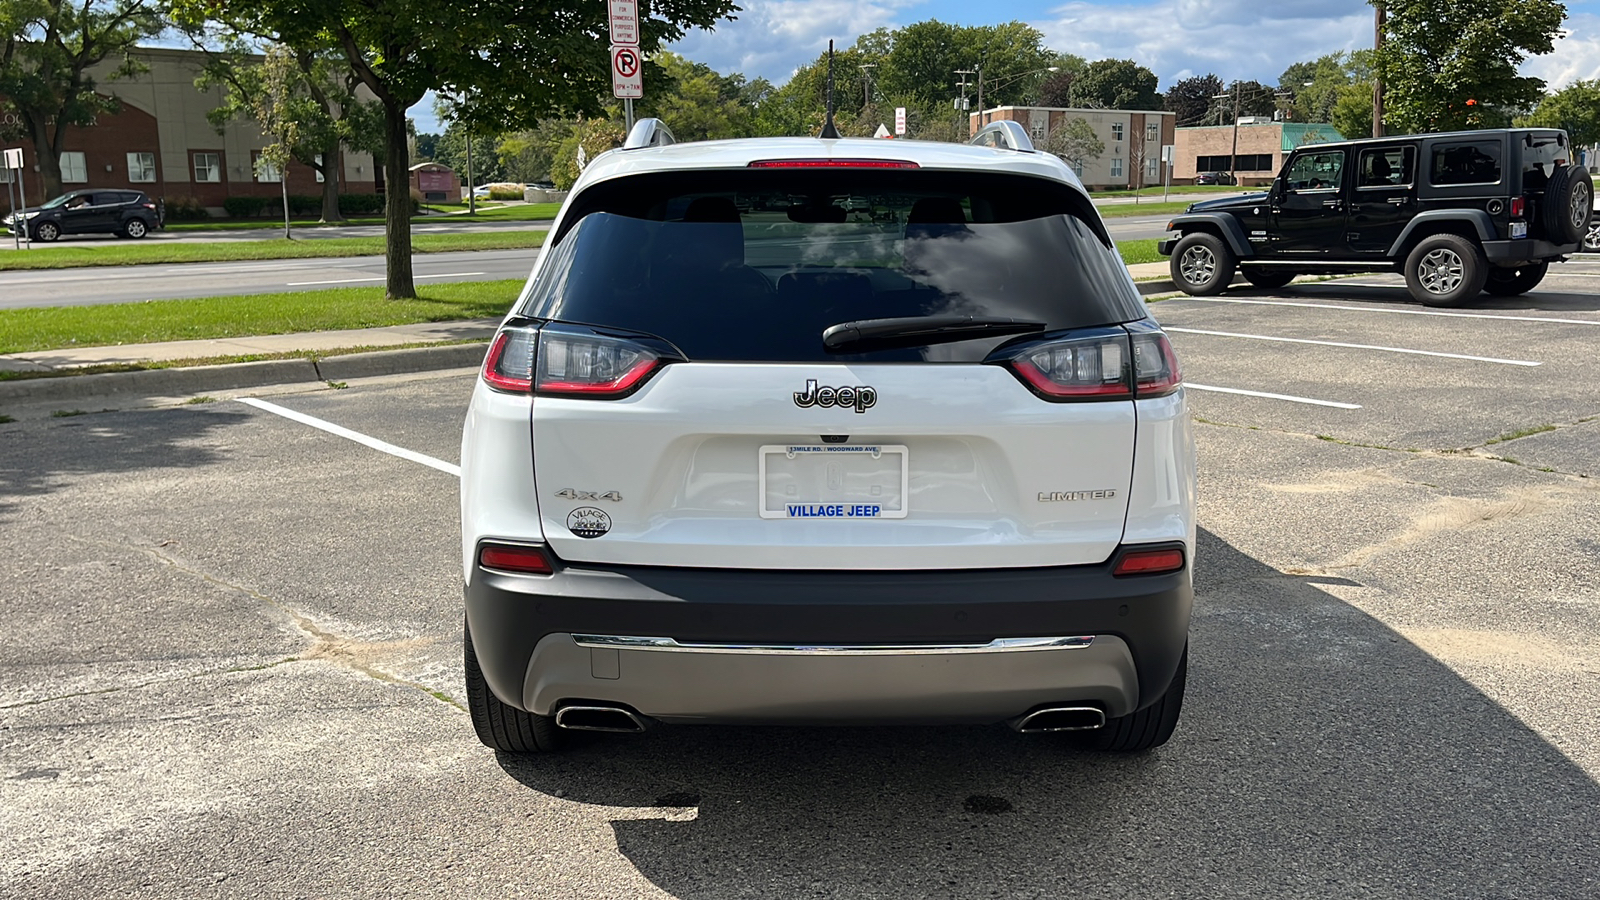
{"points": [[44, 256], [522, 212], [488, 211], [1135, 252], [1123, 210], [1176, 189], [24, 330], [259, 224]]}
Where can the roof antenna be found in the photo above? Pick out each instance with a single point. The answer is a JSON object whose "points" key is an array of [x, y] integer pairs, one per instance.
{"points": [[829, 130]]}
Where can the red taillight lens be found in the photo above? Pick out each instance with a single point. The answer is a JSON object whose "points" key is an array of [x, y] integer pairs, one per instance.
{"points": [[510, 558], [834, 164], [1149, 562], [1155, 366], [595, 366], [1518, 206], [1092, 368], [509, 364]]}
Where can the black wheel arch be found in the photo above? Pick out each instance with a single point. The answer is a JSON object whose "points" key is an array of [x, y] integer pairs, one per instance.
{"points": [[1223, 226]]}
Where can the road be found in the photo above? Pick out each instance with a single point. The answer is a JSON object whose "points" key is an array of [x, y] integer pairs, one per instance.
{"points": [[231, 664], [126, 284]]}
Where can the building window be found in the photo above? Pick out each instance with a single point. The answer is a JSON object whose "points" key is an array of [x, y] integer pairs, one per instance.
{"points": [[266, 172], [1151, 169], [1152, 132], [1244, 162], [1116, 132], [320, 177], [208, 167], [141, 167], [1116, 167], [73, 169]]}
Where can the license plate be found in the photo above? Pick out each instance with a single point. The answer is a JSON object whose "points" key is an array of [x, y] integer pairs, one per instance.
{"points": [[1519, 229], [833, 481]]}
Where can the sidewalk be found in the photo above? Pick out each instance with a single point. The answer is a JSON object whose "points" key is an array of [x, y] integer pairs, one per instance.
{"points": [[458, 344]]}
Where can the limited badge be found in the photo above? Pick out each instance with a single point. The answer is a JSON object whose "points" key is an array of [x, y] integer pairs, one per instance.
{"points": [[588, 522]]}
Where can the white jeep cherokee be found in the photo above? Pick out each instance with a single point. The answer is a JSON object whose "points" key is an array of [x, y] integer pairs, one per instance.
{"points": [[822, 432]]}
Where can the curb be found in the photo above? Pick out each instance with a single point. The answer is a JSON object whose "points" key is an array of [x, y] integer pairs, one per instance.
{"points": [[236, 376]]}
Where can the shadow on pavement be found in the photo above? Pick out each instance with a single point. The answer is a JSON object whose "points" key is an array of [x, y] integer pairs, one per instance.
{"points": [[1320, 755], [35, 457]]}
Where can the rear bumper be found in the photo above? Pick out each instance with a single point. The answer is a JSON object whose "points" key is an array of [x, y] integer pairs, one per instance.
{"points": [[523, 627], [1512, 252]]}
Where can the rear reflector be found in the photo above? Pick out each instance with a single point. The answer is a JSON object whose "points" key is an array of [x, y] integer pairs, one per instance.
{"points": [[526, 560], [834, 164], [1149, 562], [509, 364]]}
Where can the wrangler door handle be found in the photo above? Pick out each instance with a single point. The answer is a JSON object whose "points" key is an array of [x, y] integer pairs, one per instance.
{"points": [[1398, 201], [1332, 204]]}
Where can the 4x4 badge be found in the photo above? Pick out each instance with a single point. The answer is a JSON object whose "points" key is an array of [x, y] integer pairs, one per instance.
{"points": [[862, 398]]}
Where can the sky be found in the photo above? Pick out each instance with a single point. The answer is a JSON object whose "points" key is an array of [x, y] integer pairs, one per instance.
{"points": [[1176, 39]]}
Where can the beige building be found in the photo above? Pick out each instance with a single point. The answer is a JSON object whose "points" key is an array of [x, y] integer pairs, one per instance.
{"points": [[1133, 140], [1262, 148], [161, 143]]}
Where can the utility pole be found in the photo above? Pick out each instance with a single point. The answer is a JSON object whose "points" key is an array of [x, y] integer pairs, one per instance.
{"points": [[983, 119], [472, 190], [962, 105], [866, 89], [1377, 79], [1233, 158]]}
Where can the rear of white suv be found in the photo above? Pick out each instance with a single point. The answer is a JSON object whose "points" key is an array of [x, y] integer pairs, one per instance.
{"points": [[825, 432]]}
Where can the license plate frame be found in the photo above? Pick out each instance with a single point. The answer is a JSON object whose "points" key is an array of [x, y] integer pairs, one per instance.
{"points": [[1519, 229], [823, 509]]}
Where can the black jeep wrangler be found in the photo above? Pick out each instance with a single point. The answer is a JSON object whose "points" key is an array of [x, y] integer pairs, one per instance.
{"points": [[1455, 213]]}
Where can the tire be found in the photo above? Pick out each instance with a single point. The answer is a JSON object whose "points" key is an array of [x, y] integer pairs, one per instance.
{"points": [[1267, 278], [135, 228], [1445, 270], [1146, 729], [1568, 205], [1202, 264], [501, 727], [1511, 282], [46, 232], [1591, 237]]}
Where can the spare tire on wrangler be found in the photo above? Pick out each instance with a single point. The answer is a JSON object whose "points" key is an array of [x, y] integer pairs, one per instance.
{"points": [[1568, 203]]}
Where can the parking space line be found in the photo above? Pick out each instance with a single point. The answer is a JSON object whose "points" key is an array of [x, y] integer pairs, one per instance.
{"points": [[1400, 312], [379, 278], [1289, 397], [358, 437], [1289, 340]]}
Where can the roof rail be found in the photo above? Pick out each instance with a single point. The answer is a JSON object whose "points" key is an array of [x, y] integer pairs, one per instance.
{"points": [[649, 133], [1003, 135]]}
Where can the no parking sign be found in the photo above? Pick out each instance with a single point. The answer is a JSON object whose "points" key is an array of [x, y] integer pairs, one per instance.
{"points": [[627, 73]]}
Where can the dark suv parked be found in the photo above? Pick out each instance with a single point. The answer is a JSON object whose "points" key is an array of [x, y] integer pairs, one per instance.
{"points": [[121, 212], [1457, 214]]}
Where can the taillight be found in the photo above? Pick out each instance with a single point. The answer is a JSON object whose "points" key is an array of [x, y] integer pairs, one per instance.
{"points": [[834, 164], [514, 558], [1156, 561], [599, 367], [1085, 368], [1155, 366], [1518, 206], [509, 364]]}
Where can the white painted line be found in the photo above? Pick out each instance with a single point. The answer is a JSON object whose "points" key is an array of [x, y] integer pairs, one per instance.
{"points": [[380, 278], [1288, 340], [1288, 397], [1401, 312], [358, 437]]}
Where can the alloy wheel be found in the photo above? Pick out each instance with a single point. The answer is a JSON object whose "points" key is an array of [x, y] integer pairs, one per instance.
{"points": [[1591, 239], [136, 229], [1441, 271], [1581, 208], [1198, 265]]}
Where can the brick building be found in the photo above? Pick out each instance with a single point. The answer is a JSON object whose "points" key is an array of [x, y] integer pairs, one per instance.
{"points": [[1263, 146], [159, 142], [1133, 139]]}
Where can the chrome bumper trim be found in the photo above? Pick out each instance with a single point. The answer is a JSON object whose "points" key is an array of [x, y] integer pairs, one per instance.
{"points": [[998, 645]]}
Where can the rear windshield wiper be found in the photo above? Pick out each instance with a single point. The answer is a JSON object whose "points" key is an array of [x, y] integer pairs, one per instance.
{"points": [[919, 331]]}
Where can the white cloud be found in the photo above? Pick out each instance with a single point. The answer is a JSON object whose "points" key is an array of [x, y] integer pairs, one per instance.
{"points": [[773, 38], [1577, 56]]}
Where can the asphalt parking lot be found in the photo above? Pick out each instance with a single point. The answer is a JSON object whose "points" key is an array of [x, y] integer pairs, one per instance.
{"points": [[231, 665]]}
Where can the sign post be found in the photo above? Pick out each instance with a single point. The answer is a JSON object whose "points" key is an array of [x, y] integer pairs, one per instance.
{"points": [[1169, 153], [627, 65], [14, 163]]}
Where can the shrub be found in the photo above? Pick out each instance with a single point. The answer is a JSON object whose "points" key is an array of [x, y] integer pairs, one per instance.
{"points": [[185, 209], [503, 192], [360, 204], [245, 207]]}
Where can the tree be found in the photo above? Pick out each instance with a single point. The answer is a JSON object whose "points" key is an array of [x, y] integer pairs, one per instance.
{"points": [[1338, 80], [1575, 109], [45, 58], [1251, 98], [702, 105], [276, 111], [1352, 110], [1076, 143], [1440, 54], [1116, 84], [515, 62], [1190, 99]]}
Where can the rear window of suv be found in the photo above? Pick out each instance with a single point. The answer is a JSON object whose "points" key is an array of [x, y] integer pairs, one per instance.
{"points": [[1466, 162], [754, 266]]}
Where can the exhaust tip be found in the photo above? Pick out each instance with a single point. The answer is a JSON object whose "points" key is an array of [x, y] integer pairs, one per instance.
{"points": [[600, 718], [1061, 718]]}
